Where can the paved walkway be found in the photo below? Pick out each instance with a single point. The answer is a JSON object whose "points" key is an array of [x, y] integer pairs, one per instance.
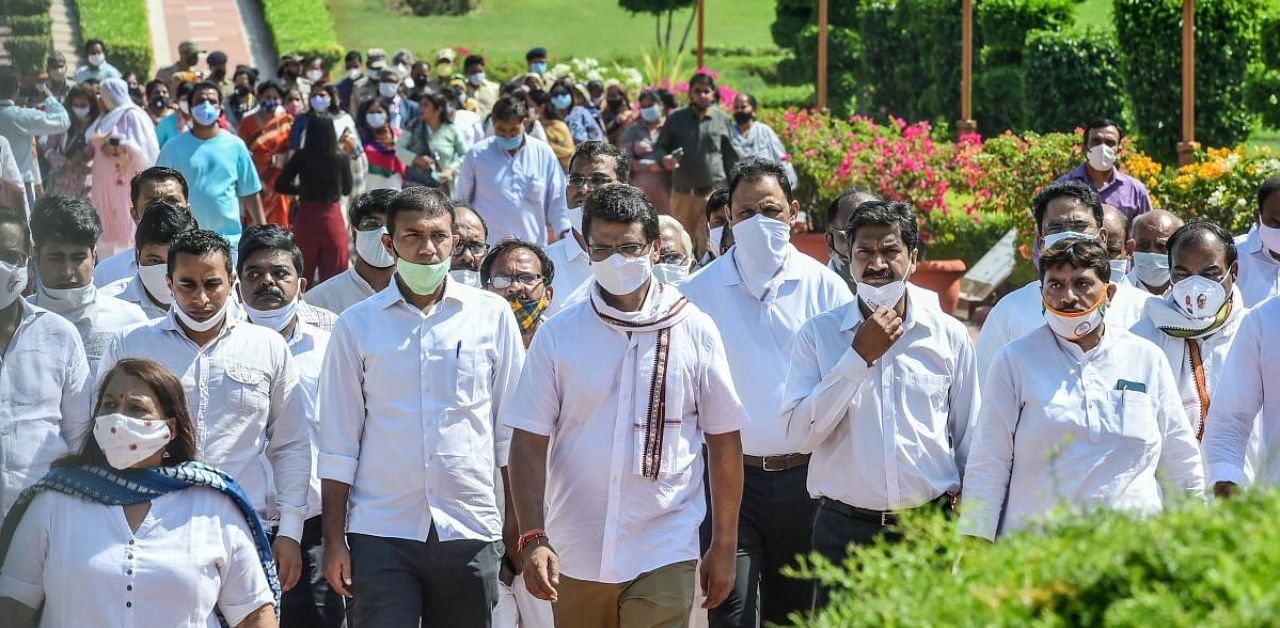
{"points": [[213, 25], [65, 29]]}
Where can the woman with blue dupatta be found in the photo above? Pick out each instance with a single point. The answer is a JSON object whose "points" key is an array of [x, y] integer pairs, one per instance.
{"points": [[133, 531]]}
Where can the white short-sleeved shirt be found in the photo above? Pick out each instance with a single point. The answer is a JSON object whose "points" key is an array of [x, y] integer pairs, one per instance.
{"points": [[340, 291], [192, 553], [132, 290], [122, 265], [1259, 277], [573, 270], [307, 344]]}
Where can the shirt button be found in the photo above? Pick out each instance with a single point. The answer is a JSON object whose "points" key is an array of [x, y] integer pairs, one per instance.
{"points": [[130, 556], [129, 588], [128, 604], [130, 541], [129, 572]]}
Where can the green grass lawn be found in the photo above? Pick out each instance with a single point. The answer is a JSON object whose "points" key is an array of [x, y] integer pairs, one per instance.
{"points": [[505, 29], [1094, 14]]}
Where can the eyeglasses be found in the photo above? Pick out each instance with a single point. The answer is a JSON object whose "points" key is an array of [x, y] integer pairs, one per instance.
{"points": [[602, 253], [474, 247], [675, 258], [368, 224], [15, 258], [1079, 226], [595, 180], [528, 280]]}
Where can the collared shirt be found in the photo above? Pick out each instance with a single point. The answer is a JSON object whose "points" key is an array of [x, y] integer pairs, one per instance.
{"points": [[134, 292], [97, 321], [891, 435], [1061, 426], [517, 195], [316, 316], [9, 172], [80, 560], [99, 74], [44, 399], [220, 171], [247, 410], [1022, 311], [1123, 192], [1259, 278], [758, 333], [20, 125], [1248, 385], [608, 522], [338, 293], [307, 345], [573, 269], [707, 141], [122, 265], [422, 455]]}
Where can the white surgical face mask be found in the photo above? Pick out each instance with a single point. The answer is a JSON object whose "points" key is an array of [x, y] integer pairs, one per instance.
{"points": [[1270, 237], [13, 280], [671, 273], [97, 59], [315, 75], [155, 280], [761, 245], [354, 73], [1119, 268], [1055, 238], [1198, 297], [200, 326], [575, 218], [620, 275], [320, 103], [376, 120], [714, 237], [466, 277], [387, 90], [276, 319], [185, 107], [369, 248], [126, 441], [1075, 325], [81, 112], [1102, 157], [887, 295], [66, 300], [1152, 268]]}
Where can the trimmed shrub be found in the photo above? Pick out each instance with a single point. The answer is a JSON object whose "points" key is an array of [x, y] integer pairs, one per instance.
{"points": [[122, 24], [304, 27], [441, 7], [1264, 74], [28, 52], [1072, 78], [27, 7], [29, 25]]}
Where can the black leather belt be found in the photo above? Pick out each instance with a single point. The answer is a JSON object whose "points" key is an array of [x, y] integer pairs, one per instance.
{"points": [[784, 462], [882, 517]]}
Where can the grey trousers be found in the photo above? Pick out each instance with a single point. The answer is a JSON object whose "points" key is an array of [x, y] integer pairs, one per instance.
{"points": [[398, 583]]}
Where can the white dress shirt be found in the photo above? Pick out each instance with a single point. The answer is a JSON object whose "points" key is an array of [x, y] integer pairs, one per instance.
{"points": [[1259, 277], [44, 399], [193, 552], [307, 345], [122, 265], [420, 455], [96, 321], [1249, 383], [573, 270], [758, 333], [892, 435], [607, 522], [1022, 311], [517, 195], [340, 292], [132, 291], [248, 413], [1061, 426]]}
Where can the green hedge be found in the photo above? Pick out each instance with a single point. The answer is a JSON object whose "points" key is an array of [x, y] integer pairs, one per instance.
{"points": [[29, 43], [1264, 74], [123, 25], [29, 25], [304, 27], [28, 52], [1227, 42], [27, 7], [1071, 78], [1193, 566]]}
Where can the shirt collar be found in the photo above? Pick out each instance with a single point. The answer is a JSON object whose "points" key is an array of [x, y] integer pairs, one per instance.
{"points": [[790, 267], [453, 291], [575, 250], [1252, 242]]}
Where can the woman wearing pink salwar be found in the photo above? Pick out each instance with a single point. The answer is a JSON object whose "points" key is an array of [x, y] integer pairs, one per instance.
{"points": [[124, 144]]}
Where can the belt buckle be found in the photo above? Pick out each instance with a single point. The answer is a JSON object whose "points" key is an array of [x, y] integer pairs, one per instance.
{"points": [[764, 463], [885, 518]]}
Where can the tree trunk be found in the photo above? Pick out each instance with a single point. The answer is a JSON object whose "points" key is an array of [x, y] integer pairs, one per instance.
{"points": [[670, 18], [685, 40]]}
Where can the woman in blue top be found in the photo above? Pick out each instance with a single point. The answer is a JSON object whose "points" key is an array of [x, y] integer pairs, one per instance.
{"points": [[582, 123]]}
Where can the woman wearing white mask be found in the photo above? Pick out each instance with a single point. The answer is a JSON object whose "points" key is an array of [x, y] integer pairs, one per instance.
{"points": [[177, 539], [379, 137], [638, 139], [124, 144], [1077, 413]]}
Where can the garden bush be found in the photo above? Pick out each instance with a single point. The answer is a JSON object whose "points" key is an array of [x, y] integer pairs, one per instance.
{"points": [[1227, 42], [28, 52], [123, 25], [1190, 566], [30, 25], [1072, 78], [304, 27], [27, 7], [1264, 74], [441, 7]]}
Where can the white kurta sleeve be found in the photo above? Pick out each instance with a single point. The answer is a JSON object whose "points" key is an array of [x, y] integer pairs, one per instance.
{"points": [[341, 406], [1237, 400], [535, 408], [289, 443], [815, 402], [990, 456], [964, 401], [22, 577], [1180, 469], [993, 336], [506, 376], [243, 588]]}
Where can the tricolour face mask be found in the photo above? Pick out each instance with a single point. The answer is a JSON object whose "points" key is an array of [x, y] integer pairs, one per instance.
{"points": [[13, 280], [370, 249], [1152, 268], [1102, 157], [621, 275], [1075, 325], [155, 279], [126, 441]]}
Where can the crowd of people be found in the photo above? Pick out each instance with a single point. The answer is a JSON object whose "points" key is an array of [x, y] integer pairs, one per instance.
{"points": [[226, 396]]}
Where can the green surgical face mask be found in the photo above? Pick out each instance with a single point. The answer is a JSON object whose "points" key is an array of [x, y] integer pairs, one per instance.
{"points": [[422, 279]]}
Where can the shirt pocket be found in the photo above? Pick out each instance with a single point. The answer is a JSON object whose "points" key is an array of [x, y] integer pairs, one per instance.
{"points": [[458, 380], [247, 389], [1130, 414], [926, 394], [32, 442]]}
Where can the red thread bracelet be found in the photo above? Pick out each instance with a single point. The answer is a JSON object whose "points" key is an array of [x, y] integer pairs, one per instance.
{"points": [[531, 535]]}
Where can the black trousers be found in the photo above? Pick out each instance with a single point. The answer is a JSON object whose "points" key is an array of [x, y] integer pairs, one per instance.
{"points": [[775, 525], [311, 603]]}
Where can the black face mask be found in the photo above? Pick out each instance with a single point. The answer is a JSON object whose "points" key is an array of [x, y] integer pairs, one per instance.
{"points": [[742, 117], [159, 102], [419, 80]]}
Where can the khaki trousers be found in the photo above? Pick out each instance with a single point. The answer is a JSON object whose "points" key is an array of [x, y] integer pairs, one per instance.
{"points": [[661, 598], [690, 208]]}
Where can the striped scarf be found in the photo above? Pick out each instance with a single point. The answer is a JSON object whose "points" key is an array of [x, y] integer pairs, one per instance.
{"points": [[116, 487]]}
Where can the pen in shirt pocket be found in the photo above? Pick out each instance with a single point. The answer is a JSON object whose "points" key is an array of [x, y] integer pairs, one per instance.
{"points": [[457, 352]]}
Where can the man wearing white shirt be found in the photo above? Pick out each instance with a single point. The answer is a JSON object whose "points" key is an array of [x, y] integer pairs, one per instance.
{"points": [[838, 213], [619, 394], [883, 390], [1149, 244], [412, 384], [373, 267], [759, 293], [1116, 226], [148, 287], [44, 377], [517, 185], [66, 232], [1079, 413], [1260, 248], [594, 165], [156, 183], [675, 258], [269, 266], [1061, 210], [473, 244], [241, 386]]}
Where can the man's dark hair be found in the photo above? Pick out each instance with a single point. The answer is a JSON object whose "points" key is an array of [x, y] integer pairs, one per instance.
{"points": [[369, 203], [756, 168], [702, 78], [57, 219], [484, 226], [1077, 253], [718, 200], [751, 100], [430, 201], [157, 173], [199, 242], [88, 43], [509, 109], [886, 214], [620, 203], [834, 207], [508, 245], [592, 149], [10, 216], [472, 61], [9, 82], [1195, 228], [353, 55], [268, 238], [161, 223], [1067, 189], [201, 86], [1100, 123], [1268, 187]]}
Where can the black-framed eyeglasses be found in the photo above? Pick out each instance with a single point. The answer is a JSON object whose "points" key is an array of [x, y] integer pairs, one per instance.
{"points": [[13, 257], [595, 180], [675, 258], [601, 253], [475, 247], [368, 224], [528, 280]]}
